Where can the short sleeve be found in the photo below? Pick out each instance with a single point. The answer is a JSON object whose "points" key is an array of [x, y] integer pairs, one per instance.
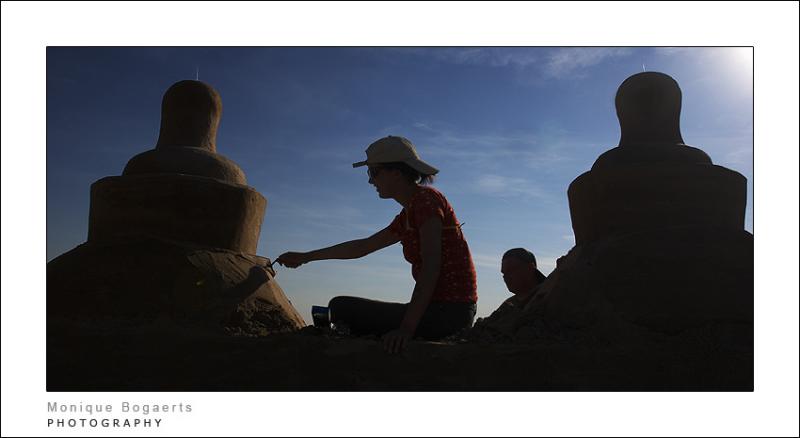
{"points": [[398, 224], [426, 206]]}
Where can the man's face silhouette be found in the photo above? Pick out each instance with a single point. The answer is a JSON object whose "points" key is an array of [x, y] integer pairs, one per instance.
{"points": [[519, 276]]}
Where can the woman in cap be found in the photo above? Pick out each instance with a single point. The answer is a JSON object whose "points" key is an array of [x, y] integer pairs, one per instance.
{"points": [[445, 295]]}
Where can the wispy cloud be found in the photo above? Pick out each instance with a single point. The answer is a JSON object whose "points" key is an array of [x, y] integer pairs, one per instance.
{"points": [[699, 52], [491, 150], [493, 56], [488, 261], [546, 264], [572, 62], [548, 63], [740, 157], [676, 50], [505, 187], [735, 151], [446, 143], [334, 216]]}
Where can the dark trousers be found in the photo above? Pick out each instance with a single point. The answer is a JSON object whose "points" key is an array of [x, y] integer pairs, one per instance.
{"points": [[372, 317]]}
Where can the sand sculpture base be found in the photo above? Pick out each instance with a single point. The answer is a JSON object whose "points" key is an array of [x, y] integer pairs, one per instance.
{"points": [[134, 283]]}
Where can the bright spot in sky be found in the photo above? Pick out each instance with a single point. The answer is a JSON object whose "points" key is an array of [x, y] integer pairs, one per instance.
{"points": [[744, 57], [740, 60]]}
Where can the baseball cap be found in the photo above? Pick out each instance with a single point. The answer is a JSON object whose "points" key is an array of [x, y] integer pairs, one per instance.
{"points": [[395, 149]]}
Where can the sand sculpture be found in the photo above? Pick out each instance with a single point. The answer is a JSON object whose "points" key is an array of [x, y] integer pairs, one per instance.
{"points": [[175, 236], [652, 179], [660, 240]]}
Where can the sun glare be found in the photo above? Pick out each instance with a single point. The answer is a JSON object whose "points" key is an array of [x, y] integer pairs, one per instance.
{"points": [[741, 62]]}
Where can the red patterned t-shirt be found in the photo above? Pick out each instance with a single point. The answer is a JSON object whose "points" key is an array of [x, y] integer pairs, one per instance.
{"points": [[457, 281]]}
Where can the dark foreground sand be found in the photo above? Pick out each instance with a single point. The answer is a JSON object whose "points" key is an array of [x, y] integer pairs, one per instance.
{"points": [[143, 358]]}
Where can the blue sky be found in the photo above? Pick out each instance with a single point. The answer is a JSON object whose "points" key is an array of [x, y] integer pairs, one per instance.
{"points": [[509, 128]]}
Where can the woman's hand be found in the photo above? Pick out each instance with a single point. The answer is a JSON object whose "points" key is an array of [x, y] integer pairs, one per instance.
{"points": [[396, 340], [293, 259]]}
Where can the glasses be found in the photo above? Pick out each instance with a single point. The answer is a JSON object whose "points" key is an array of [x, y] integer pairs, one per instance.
{"points": [[372, 172]]}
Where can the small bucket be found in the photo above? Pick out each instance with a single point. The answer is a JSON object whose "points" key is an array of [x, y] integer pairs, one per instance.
{"points": [[320, 316]]}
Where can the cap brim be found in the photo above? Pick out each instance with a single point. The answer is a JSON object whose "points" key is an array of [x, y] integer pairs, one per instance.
{"points": [[423, 167], [419, 165]]}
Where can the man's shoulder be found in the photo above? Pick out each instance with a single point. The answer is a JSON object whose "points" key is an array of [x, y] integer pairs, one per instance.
{"points": [[503, 317], [509, 305]]}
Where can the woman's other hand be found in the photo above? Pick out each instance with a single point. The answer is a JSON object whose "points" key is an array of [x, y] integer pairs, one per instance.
{"points": [[293, 259], [396, 340]]}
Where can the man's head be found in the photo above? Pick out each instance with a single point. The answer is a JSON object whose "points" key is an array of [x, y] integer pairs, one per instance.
{"points": [[519, 271]]}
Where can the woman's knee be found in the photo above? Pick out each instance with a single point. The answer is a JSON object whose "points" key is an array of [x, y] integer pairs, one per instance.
{"points": [[340, 306]]}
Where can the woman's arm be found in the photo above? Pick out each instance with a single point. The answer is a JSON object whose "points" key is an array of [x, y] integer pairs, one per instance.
{"points": [[352, 249], [430, 236]]}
